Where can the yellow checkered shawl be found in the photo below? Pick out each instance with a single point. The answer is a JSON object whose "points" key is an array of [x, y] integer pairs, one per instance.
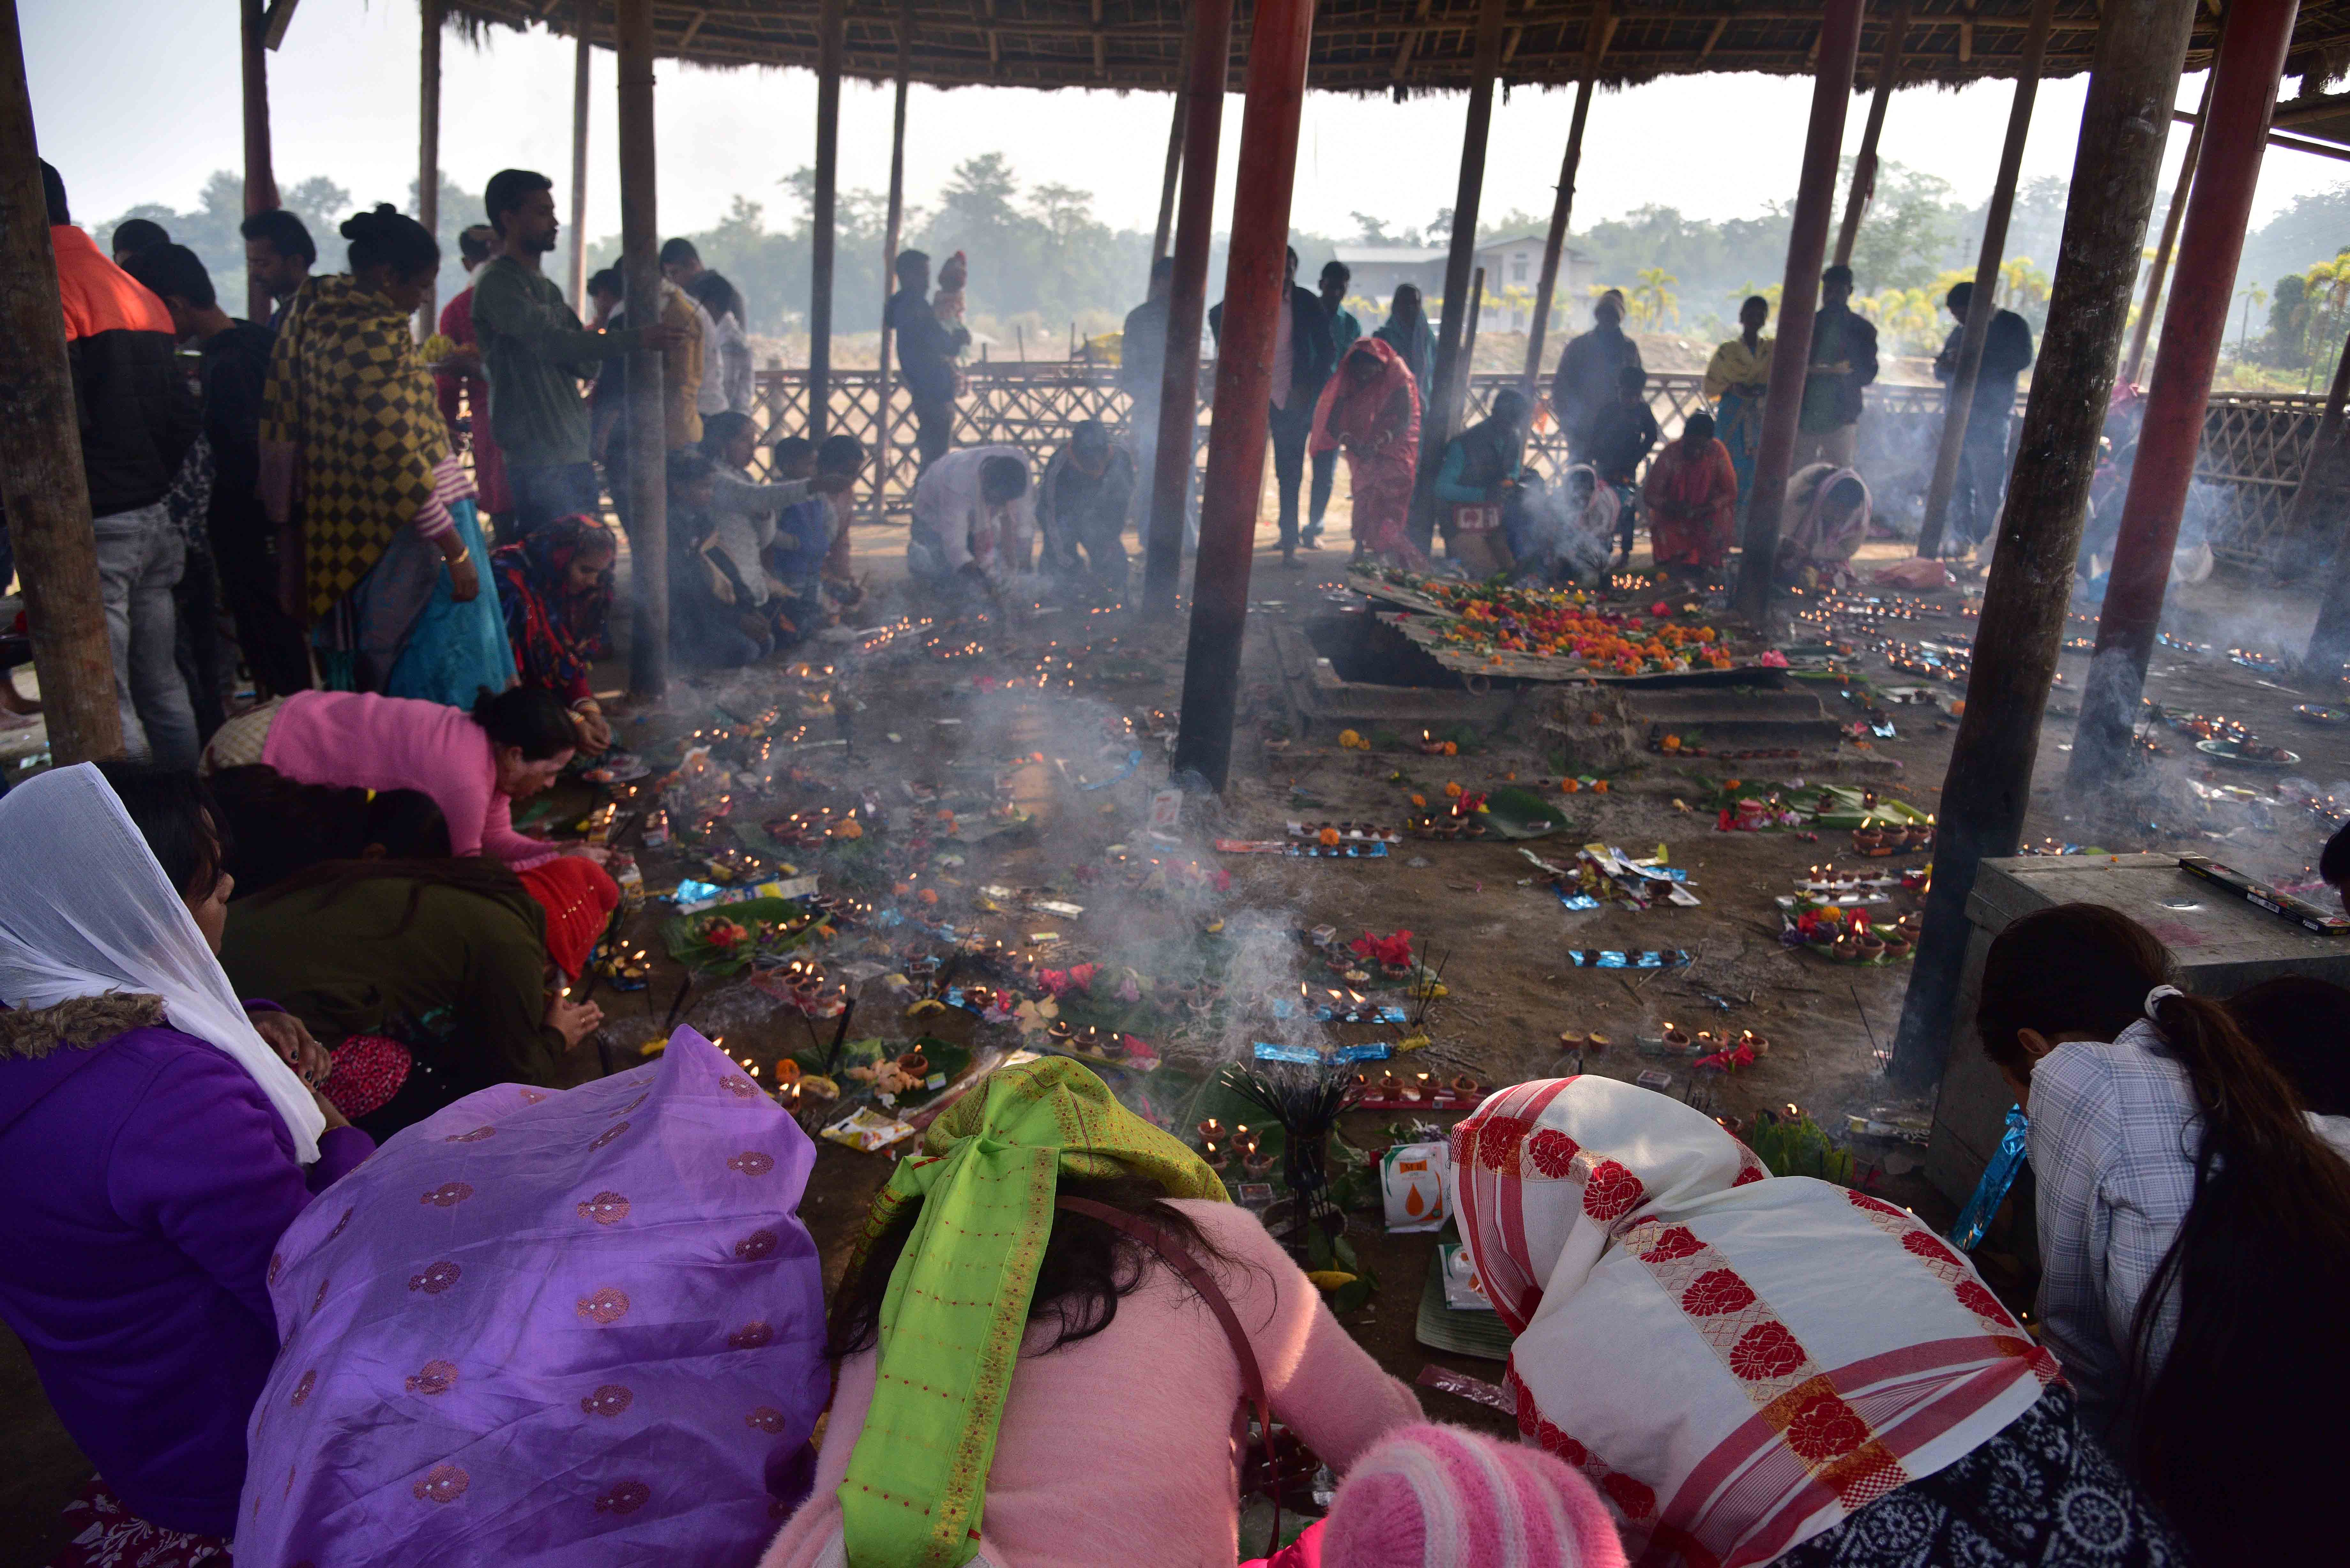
{"points": [[349, 394]]}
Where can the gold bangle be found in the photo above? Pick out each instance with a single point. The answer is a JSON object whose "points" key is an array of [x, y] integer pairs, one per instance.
{"points": [[465, 554]]}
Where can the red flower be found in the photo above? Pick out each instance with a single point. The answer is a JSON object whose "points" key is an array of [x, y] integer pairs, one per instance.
{"points": [[1765, 1351], [1678, 1241], [1825, 1428], [1611, 1192], [1394, 950], [723, 933], [1498, 1139], [1752, 1173], [1925, 1246], [1552, 1153], [1980, 1302], [1082, 975], [1637, 1499], [1716, 1292], [1877, 1205]]}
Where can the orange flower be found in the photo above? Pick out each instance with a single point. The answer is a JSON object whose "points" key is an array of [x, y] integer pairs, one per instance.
{"points": [[930, 895], [1329, 837], [1600, 787], [1571, 787], [1453, 790], [1419, 800]]}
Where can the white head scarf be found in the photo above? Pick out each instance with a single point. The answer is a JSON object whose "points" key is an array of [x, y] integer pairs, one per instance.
{"points": [[87, 910]]}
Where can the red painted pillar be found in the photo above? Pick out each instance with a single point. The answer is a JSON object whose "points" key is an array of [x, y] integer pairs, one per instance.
{"points": [[2253, 42], [1807, 248], [1278, 43]]}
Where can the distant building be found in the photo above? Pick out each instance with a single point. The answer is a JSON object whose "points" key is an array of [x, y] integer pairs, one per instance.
{"points": [[1513, 269]]}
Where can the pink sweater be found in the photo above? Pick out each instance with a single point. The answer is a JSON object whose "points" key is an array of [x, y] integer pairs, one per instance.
{"points": [[359, 739], [1124, 1448]]}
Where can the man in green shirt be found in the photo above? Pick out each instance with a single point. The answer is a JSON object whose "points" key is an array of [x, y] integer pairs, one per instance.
{"points": [[537, 353]]}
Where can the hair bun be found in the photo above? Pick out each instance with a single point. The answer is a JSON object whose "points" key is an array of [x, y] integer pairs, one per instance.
{"points": [[368, 225]]}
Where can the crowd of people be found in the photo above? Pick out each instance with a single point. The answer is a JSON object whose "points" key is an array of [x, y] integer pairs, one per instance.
{"points": [[251, 1323]]}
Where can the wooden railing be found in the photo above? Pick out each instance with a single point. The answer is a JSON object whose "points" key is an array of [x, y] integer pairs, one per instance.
{"points": [[2253, 443]]}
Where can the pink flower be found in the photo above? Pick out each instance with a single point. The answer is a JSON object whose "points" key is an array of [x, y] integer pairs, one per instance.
{"points": [[1772, 659]]}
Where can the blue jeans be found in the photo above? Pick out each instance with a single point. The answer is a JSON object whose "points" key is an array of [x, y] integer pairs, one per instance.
{"points": [[545, 490], [140, 557]]}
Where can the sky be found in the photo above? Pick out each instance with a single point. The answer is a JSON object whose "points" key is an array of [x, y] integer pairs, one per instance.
{"points": [[136, 100]]}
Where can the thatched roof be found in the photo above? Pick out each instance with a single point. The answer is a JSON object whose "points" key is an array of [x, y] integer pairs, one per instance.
{"points": [[1377, 45]]}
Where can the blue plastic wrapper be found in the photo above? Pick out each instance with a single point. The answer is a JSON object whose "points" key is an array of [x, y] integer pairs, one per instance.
{"points": [[1997, 1176], [1575, 901], [1267, 1052]]}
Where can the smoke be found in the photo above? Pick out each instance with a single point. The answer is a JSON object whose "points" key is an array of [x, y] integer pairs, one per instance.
{"points": [[1558, 540]]}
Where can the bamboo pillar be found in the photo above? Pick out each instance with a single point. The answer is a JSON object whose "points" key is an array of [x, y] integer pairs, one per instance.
{"points": [[1177, 119], [260, 180], [832, 25], [2329, 643], [2133, 78], [1982, 304], [885, 424], [2252, 41], [584, 18], [648, 428], [1279, 42], [2160, 270], [428, 154], [41, 477], [1207, 54], [1863, 165], [1469, 331], [1554, 244], [1450, 378], [1807, 243]]}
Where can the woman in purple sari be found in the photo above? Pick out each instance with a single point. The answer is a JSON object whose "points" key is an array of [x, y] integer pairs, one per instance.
{"points": [[577, 1327]]}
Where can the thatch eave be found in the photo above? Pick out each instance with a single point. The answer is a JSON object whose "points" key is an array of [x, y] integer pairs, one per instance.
{"points": [[1389, 46]]}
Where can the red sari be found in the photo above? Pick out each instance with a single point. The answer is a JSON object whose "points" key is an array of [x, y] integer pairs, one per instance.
{"points": [[1692, 501], [1378, 424]]}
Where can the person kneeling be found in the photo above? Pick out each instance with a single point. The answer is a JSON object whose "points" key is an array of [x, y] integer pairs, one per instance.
{"points": [[714, 621]]}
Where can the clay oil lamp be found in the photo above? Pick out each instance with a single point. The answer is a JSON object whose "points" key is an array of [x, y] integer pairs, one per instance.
{"points": [[1214, 1158], [1255, 1164], [1754, 1042], [1090, 1040], [1844, 947], [1867, 945], [1868, 839], [1894, 945], [1390, 1087], [915, 1066], [1919, 834], [1910, 925], [1465, 1087], [1571, 1040], [1597, 1041], [1707, 1044], [978, 998], [1210, 1130], [1059, 1032], [1677, 1040], [1417, 1089], [1430, 745]]}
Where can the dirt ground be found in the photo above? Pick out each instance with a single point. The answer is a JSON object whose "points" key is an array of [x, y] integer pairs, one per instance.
{"points": [[1032, 711]]}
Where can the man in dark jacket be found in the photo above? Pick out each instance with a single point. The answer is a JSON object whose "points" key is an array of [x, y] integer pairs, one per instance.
{"points": [[1141, 366], [1621, 439], [1588, 372], [1302, 357], [926, 355], [235, 366], [1843, 361], [139, 419], [1982, 457]]}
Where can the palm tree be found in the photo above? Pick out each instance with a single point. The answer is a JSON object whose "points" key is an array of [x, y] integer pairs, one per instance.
{"points": [[2253, 297], [1653, 299]]}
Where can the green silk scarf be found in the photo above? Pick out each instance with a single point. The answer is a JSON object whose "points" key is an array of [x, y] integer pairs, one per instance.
{"points": [[957, 1305]]}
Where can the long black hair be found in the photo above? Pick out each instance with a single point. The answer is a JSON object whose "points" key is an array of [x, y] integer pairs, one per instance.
{"points": [[1087, 1266], [278, 828], [529, 717], [175, 815], [2233, 1425]]}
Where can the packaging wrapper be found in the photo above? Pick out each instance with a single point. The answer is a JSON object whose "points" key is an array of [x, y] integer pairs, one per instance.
{"points": [[1411, 1184]]}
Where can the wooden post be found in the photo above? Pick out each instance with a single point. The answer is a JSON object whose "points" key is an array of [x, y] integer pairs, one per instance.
{"points": [[885, 424], [1208, 56], [831, 26], [40, 450], [1863, 166], [260, 181], [2329, 644], [1983, 303], [2141, 44], [1554, 244], [647, 426], [584, 18], [427, 155], [1177, 119], [1279, 42], [2252, 40], [2160, 270], [1807, 243], [1436, 424]]}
